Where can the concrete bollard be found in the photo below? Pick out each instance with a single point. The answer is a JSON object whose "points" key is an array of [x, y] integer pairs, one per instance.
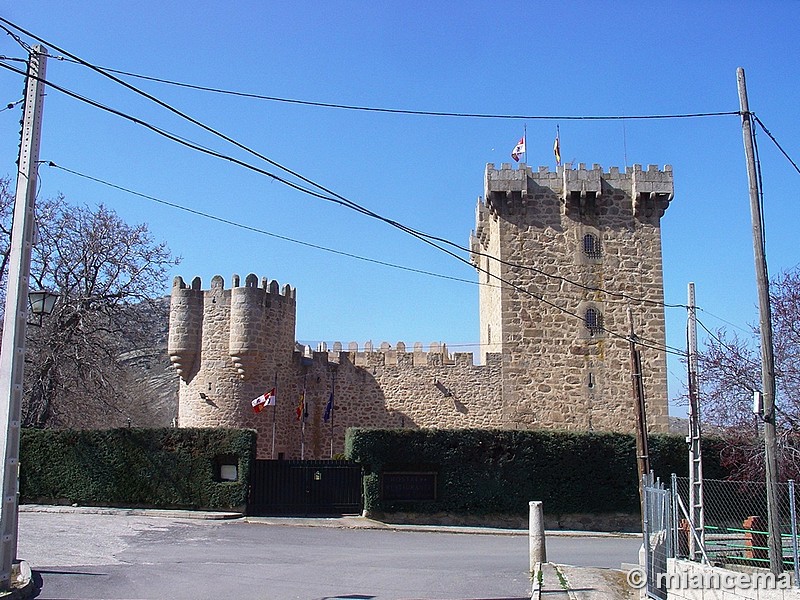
{"points": [[538, 552]]}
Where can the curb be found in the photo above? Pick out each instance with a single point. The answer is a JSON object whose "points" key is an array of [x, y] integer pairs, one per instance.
{"points": [[208, 515], [536, 591], [342, 522]]}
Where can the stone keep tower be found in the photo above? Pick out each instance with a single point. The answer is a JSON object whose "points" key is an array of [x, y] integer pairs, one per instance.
{"points": [[572, 250], [228, 346]]}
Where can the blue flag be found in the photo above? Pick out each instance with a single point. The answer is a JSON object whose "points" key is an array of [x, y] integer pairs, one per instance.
{"points": [[328, 409]]}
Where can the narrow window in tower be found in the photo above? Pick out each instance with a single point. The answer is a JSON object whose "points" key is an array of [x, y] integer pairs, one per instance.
{"points": [[488, 334], [594, 321], [591, 246]]}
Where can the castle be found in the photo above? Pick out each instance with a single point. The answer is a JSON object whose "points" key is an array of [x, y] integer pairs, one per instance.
{"points": [[562, 255]]}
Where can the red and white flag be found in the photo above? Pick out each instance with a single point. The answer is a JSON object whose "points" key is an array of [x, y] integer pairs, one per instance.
{"points": [[518, 149], [557, 147], [265, 399]]}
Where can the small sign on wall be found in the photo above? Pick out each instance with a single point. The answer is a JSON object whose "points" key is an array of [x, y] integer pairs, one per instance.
{"points": [[408, 486]]}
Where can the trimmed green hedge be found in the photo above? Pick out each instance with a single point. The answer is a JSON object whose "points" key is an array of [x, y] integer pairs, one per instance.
{"points": [[164, 468], [498, 471]]}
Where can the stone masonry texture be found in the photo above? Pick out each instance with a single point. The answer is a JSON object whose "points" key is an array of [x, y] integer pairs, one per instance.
{"points": [[562, 255]]}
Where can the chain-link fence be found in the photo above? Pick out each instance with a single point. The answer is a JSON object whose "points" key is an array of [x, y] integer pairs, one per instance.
{"points": [[658, 536], [735, 525]]}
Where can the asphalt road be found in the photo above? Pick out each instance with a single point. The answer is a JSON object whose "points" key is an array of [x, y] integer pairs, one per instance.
{"points": [[89, 557]]}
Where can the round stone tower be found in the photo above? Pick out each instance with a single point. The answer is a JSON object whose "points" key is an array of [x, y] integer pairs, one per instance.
{"points": [[229, 346]]}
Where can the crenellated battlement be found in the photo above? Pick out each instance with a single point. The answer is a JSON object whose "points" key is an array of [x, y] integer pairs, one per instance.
{"points": [[648, 191], [245, 321], [385, 354], [509, 172], [251, 281]]}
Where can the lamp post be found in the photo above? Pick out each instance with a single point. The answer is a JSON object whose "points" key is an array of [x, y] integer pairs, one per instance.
{"points": [[42, 302]]}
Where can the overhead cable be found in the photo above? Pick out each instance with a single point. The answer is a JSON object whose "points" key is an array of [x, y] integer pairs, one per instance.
{"points": [[257, 229], [339, 199], [733, 351], [774, 141], [428, 239], [405, 111], [285, 238]]}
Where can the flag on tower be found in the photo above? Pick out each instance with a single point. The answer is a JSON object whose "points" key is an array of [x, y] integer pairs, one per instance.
{"points": [[264, 400], [557, 147], [518, 149]]}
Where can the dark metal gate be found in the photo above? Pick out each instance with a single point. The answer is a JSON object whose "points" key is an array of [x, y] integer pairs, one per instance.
{"points": [[304, 487]]}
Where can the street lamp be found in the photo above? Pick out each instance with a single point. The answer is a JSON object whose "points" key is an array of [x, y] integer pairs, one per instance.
{"points": [[42, 302]]}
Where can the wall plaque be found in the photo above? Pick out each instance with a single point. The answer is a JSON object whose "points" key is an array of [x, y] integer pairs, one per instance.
{"points": [[408, 486]]}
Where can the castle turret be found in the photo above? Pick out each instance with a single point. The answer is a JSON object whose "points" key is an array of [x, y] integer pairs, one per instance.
{"points": [[185, 326], [239, 341], [247, 316]]}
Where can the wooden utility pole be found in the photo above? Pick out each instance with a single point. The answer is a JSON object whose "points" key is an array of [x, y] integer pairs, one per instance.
{"points": [[765, 325], [697, 515], [642, 452], [16, 315]]}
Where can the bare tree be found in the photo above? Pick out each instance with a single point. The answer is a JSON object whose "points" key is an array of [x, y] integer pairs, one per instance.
{"points": [[731, 371], [6, 213], [108, 275]]}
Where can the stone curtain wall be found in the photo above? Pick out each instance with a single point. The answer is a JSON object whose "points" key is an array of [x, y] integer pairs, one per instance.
{"points": [[387, 388], [543, 368], [556, 372], [230, 344]]}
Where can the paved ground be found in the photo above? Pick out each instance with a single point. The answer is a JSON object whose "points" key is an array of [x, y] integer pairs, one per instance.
{"points": [[80, 553]]}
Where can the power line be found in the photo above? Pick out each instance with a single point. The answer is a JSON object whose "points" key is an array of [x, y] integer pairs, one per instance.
{"points": [[642, 341], [274, 235], [404, 111], [774, 141], [173, 137], [258, 230], [343, 201], [426, 238], [19, 41], [739, 327], [11, 105], [729, 348]]}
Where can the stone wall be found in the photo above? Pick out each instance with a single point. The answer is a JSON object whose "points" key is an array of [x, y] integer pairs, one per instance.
{"points": [[544, 366], [228, 346], [390, 388], [231, 345], [557, 371]]}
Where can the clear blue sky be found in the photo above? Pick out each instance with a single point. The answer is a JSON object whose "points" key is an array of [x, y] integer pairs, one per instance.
{"points": [[578, 58]]}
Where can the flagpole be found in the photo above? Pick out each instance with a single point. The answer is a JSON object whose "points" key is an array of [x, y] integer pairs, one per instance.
{"points": [[303, 420], [525, 140], [333, 408], [274, 411], [557, 147]]}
